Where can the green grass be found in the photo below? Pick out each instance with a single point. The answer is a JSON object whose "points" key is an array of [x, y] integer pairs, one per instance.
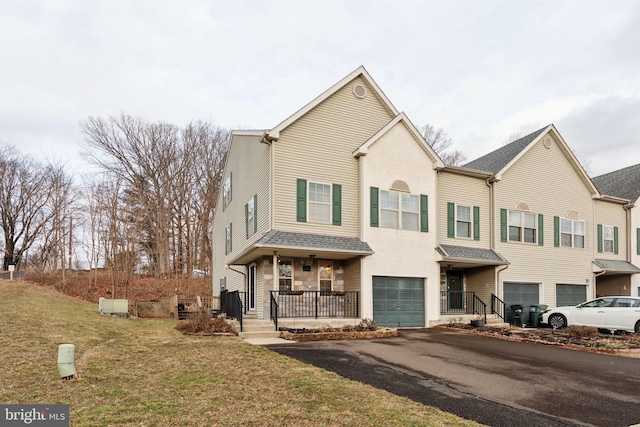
{"points": [[145, 373]]}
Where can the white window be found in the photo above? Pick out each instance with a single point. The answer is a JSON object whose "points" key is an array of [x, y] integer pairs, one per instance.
{"points": [[325, 276], [522, 227], [319, 202], [607, 238], [251, 219], [572, 233], [463, 221], [226, 192], [395, 215], [228, 247], [285, 274]]}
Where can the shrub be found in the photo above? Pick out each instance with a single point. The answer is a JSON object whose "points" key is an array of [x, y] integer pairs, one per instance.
{"points": [[201, 323], [582, 331], [366, 325]]}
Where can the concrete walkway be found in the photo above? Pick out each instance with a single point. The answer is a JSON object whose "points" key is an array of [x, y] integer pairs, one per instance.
{"points": [[267, 341]]}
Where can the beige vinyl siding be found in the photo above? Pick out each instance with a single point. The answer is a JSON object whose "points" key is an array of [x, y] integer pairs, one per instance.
{"points": [[352, 274], [318, 147], [613, 214], [481, 281], [248, 162], [546, 180], [466, 191]]}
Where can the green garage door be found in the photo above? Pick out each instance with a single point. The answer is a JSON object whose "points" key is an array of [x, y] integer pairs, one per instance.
{"points": [[570, 295], [524, 294], [398, 301]]}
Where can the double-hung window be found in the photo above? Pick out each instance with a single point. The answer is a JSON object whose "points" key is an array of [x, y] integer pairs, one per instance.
{"points": [[571, 233], [228, 235], [285, 275], [399, 210], [251, 220], [607, 238], [226, 192], [463, 221], [522, 227], [325, 276], [319, 202]]}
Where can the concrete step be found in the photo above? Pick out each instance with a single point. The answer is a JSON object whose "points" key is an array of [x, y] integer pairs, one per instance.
{"points": [[262, 334]]}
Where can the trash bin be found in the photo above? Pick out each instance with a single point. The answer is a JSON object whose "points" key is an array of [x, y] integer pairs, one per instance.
{"points": [[517, 315], [535, 313]]}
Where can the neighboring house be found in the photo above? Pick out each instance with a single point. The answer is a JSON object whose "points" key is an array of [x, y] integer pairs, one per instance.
{"points": [[620, 277], [548, 220], [330, 213]]}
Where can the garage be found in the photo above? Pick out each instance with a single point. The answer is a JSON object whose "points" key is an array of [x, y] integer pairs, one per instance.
{"points": [[570, 294], [398, 301], [524, 294]]}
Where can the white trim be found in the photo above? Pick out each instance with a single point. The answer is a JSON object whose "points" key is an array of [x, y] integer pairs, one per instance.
{"points": [[360, 71]]}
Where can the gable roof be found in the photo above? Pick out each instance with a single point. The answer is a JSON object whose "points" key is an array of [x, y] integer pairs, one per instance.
{"points": [[496, 161], [400, 118], [623, 183], [360, 71]]}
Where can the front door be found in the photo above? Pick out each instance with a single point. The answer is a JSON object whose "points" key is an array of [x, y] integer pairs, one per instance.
{"points": [[455, 295], [251, 285]]}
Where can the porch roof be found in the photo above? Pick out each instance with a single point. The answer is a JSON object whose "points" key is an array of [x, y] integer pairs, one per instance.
{"points": [[467, 257], [611, 267], [304, 245]]}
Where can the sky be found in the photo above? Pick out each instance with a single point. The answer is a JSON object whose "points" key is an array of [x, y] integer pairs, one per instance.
{"points": [[481, 70]]}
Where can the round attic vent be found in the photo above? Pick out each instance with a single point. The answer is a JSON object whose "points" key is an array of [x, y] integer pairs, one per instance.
{"points": [[359, 91], [547, 142]]}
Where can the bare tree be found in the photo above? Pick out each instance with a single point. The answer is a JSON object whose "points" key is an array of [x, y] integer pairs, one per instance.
{"points": [[23, 199], [169, 182], [441, 144]]}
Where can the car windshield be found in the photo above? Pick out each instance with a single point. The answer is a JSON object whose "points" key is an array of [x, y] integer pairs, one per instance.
{"points": [[600, 302]]}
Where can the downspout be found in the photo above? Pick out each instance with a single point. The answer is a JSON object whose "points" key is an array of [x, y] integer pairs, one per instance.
{"points": [[627, 209]]}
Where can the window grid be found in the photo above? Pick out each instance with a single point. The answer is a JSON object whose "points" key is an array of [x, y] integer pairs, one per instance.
{"points": [[463, 221], [319, 202], [572, 233], [522, 227]]}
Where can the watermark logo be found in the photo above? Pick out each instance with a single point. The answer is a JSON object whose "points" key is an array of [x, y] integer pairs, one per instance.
{"points": [[34, 415]]}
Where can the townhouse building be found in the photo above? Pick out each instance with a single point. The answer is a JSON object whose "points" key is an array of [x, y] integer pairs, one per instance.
{"points": [[343, 211]]}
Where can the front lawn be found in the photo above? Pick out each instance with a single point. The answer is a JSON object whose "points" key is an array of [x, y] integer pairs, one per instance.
{"points": [[146, 373]]}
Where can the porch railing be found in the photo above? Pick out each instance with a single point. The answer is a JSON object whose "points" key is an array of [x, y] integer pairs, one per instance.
{"points": [[462, 302], [497, 306], [231, 304], [316, 304]]}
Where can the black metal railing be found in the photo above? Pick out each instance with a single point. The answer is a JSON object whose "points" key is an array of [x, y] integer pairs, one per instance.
{"points": [[479, 307], [341, 304], [462, 302], [497, 306], [231, 304], [274, 311]]}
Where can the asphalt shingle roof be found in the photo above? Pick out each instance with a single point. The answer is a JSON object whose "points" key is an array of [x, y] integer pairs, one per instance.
{"points": [[624, 183], [495, 161], [470, 253], [617, 266], [289, 239]]}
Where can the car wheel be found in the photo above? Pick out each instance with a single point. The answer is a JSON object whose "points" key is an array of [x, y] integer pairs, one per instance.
{"points": [[637, 327], [558, 321]]}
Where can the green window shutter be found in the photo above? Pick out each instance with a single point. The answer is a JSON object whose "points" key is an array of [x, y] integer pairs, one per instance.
{"points": [[599, 238], [246, 220], [337, 204], [375, 213], [230, 237], [451, 220], [638, 241], [424, 213], [301, 200], [476, 223], [615, 240], [556, 231], [540, 230], [503, 225], [255, 213]]}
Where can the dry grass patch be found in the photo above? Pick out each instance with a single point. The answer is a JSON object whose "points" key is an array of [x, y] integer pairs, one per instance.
{"points": [[146, 373]]}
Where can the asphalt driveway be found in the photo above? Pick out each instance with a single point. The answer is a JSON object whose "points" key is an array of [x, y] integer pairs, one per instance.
{"points": [[492, 381]]}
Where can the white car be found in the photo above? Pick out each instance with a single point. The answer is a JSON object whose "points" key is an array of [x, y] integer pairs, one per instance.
{"points": [[618, 313]]}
